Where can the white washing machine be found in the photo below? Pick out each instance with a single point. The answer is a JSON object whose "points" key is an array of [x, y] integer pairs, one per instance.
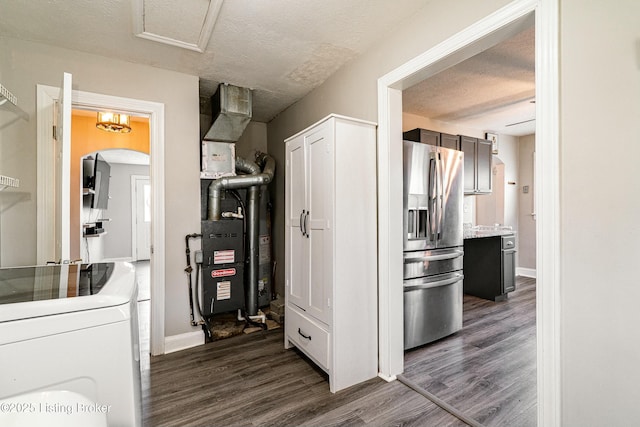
{"points": [[69, 345]]}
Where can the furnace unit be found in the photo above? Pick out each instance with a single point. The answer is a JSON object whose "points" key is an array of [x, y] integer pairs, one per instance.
{"points": [[222, 266]]}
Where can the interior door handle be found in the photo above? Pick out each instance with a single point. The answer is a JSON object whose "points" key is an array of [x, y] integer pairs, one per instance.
{"points": [[302, 222]]}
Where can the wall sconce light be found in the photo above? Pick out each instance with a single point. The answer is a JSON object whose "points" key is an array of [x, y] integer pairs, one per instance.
{"points": [[113, 122]]}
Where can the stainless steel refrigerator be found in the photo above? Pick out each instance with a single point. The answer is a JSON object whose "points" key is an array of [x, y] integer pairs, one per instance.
{"points": [[433, 242]]}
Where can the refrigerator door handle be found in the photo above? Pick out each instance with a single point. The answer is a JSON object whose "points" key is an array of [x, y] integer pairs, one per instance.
{"points": [[440, 192], [440, 257], [438, 283], [433, 197], [302, 222]]}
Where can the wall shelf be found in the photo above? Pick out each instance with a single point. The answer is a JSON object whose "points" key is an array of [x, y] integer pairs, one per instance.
{"points": [[94, 229], [102, 233], [7, 181], [9, 102]]}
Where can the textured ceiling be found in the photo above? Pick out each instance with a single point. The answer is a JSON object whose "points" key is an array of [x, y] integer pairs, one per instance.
{"points": [[491, 91], [282, 49], [169, 18]]}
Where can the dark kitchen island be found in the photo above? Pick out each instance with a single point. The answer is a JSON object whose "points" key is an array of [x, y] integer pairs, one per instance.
{"points": [[489, 264]]}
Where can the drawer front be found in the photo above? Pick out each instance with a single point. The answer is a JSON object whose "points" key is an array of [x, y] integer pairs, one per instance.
{"points": [[429, 263], [308, 336], [508, 242]]}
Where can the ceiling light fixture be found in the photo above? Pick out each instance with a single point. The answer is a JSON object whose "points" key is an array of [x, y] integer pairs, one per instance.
{"points": [[114, 122]]}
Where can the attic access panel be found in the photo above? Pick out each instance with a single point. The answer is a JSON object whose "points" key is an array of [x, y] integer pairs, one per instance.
{"points": [[187, 23]]}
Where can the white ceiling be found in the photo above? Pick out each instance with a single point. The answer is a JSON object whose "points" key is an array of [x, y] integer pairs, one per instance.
{"points": [[282, 49], [492, 91], [128, 157]]}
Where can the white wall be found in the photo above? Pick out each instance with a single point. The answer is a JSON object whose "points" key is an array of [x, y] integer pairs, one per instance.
{"points": [[254, 138], [508, 153], [526, 222], [600, 211], [25, 64], [17, 160], [117, 244], [490, 207], [505, 210]]}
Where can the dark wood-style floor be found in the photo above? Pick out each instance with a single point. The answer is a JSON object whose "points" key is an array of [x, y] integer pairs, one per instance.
{"points": [[486, 370]]}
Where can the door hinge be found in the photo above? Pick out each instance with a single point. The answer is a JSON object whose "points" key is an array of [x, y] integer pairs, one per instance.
{"points": [[55, 132], [151, 249], [329, 302]]}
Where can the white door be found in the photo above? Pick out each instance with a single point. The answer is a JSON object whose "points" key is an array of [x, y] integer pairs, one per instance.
{"points": [[319, 213], [296, 269], [142, 218], [63, 170]]}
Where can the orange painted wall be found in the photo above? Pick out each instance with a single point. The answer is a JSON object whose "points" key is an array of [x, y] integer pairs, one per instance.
{"points": [[85, 139]]}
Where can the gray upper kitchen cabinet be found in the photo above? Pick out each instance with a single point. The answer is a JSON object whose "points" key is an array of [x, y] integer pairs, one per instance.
{"points": [[433, 138], [422, 135], [468, 147], [483, 166], [477, 165], [477, 156], [450, 141]]}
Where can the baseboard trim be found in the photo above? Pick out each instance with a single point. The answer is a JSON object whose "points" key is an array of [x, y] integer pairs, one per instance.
{"points": [[120, 259], [184, 341], [526, 272], [386, 378]]}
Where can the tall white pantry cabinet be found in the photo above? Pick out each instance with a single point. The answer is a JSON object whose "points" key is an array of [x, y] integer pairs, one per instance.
{"points": [[331, 247]]}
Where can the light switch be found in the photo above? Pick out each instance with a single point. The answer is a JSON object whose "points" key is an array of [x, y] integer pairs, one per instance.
{"points": [[525, 189]]}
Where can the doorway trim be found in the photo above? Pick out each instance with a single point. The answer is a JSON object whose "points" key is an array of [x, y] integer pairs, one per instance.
{"points": [[134, 212], [46, 99], [474, 39]]}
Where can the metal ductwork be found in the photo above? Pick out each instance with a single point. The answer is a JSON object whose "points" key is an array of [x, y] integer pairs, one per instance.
{"points": [[252, 181], [240, 181], [231, 107]]}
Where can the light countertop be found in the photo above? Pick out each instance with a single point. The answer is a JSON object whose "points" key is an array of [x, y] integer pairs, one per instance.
{"points": [[480, 231]]}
